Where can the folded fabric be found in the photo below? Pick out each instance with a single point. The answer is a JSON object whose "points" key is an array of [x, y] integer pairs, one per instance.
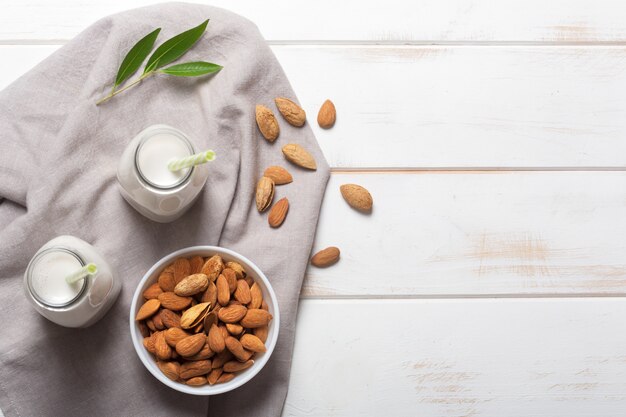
{"points": [[58, 159]]}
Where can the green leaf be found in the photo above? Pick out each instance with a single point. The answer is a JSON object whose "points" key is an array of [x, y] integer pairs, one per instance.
{"points": [[133, 59], [174, 48], [191, 69]]}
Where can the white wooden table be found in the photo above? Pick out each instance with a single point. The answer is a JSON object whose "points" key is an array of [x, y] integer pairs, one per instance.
{"points": [[492, 135]]}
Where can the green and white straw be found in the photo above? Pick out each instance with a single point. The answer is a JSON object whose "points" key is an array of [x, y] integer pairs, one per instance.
{"points": [[84, 272], [193, 160]]}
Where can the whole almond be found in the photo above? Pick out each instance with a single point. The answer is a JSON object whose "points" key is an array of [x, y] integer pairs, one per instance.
{"points": [[234, 329], [268, 125], [214, 375], [174, 335], [264, 193], [174, 302], [166, 280], [239, 271], [170, 369], [195, 368], [196, 263], [256, 296], [210, 295], [225, 377], [236, 348], [357, 197], [261, 333], [148, 343], [252, 343], [256, 318], [158, 323], [292, 113], [327, 115], [190, 345], [213, 267], [231, 278], [325, 257], [279, 175], [236, 366], [196, 381], [152, 291], [205, 353], [162, 350], [194, 315], [148, 309], [232, 313], [221, 358], [182, 268], [191, 285], [216, 339], [223, 292], [278, 213], [242, 292], [169, 318], [297, 155]]}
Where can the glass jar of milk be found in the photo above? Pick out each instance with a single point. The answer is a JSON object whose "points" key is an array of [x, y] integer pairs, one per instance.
{"points": [[80, 304], [146, 182]]}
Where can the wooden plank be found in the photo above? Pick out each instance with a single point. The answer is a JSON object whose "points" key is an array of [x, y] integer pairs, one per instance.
{"points": [[451, 106], [459, 358], [354, 20], [475, 233]]}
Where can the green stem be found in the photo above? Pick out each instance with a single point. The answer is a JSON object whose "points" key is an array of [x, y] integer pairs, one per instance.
{"points": [[121, 90]]}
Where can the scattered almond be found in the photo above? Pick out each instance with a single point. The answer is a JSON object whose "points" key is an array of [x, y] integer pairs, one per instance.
{"points": [[264, 193], [297, 155], [327, 115], [278, 213], [268, 125], [279, 175], [292, 113], [357, 197], [325, 257]]}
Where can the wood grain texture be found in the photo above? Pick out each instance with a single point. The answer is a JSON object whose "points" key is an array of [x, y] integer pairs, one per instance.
{"points": [[353, 20], [451, 106], [459, 358], [475, 233]]}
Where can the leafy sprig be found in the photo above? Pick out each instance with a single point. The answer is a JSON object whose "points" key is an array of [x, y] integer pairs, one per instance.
{"points": [[168, 52]]}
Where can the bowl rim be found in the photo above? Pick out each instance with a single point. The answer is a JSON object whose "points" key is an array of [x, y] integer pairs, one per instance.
{"points": [[243, 377]]}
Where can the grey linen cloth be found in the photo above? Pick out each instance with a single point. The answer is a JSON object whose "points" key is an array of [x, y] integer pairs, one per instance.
{"points": [[58, 159]]}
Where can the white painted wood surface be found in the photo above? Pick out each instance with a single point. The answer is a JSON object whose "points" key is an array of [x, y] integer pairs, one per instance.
{"points": [[492, 136]]}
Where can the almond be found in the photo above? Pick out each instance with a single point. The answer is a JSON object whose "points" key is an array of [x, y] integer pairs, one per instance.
{"points": [[194, 368], [242, 293], [264, 306], [234, 329], [158, 323], [191, 285], [196, 381], [325, 257], [194, 315], [231, 278], [232, 313], [221, 358], [210, 295], [182, 268], [261, 333], [150, 325], [170, 369], [223, 292], [143, 329], [236, 366], [327, 115], [239, 271], [268, 125], [297, 155], [236, 348], [225, 378], [148, 309], [214, 376], [213, 267], [253, 343], [256, 318], [279, 175], [278, 213], [190, 345], [216, 339], [174, 302], [205, 353], [210, 320], [148, 343], [256, 296], [166, 281], [169, 318], [357, 197], [292, 113], [152, 291], [175, 335], [162, 350], [264, 193], [196, 264]]}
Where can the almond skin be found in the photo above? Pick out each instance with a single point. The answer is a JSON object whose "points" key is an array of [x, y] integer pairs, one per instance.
{"points": [[196, 264], [182, 268], [299, 156], [327, 115], [166, 281], [256, 318], [190, 345], [239, 271], [279, 175], [213, 267], [169, 318], [357, 197], [148, 309], [152, 291], [232, 313], [268, 125], [192, 285], [216, 339], [242, 293], [162, 350], [231, 278], [194, 315], [174, 302], [325, 257], [252, 343], [278, 213], [223, 292], [292, 113], [264, 194], [256, 296]]}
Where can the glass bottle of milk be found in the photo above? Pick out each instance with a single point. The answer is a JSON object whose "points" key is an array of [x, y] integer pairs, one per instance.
{"points": [[79, 304], [146, 182]]}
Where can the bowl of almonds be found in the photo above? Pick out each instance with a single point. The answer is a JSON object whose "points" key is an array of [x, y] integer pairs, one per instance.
{"points": [[204, 320]]}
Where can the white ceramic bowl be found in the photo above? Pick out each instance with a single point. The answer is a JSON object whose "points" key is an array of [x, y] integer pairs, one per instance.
{"points": [[260, 358]]}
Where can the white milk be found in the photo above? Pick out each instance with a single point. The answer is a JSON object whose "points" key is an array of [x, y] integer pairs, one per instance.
{"points": [[72, 305], [148, 185]]}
